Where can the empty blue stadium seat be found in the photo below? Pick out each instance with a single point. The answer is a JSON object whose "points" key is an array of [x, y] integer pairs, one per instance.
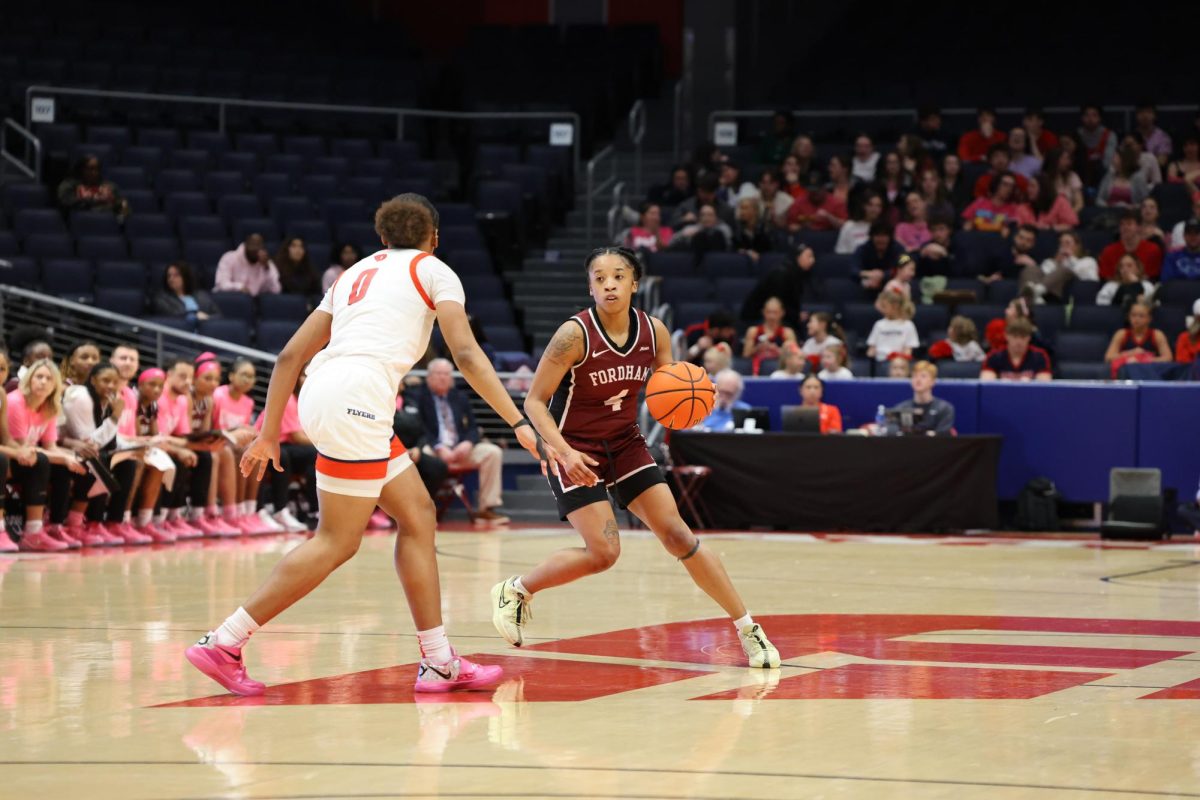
{"points": [[490, 157], [833, 265], [841, 291], [351, 148], [173, 181], [361, 233], [148, 226], [94, 223], [499, 196], [129, 302], [318, 187], [482, 285], [232, 207], [263, 226], [470, 262], [304, 146], [820, 241], [273, 334], [421, 186], [269, 185], [63, 276], [1049, 321], [1083, 371], [1083, 292], [313, 230], [162, 138], [120, 275], [261, 144], [686, 290], [227, 330], [455, 214], [1086, 346], [399, 151], [460, 237], [204, 255], [490, 311], [504, 337], [25, 195], [148, 159], [965, 370], [336, 166], [245, 163], [104, 152], [725, 265], [368, 189], [342, 210], [285, 210], [1171, 320], [155, 251], [1181, 293], [128, 177], [381, 168], [141, 201], [210, 141], [198, 161], [30, 221], [235, 305], [930, 319], [980, 314], [288, 164], [220, 183], [290, 307], [49, 245], [1101, 319], [117, 137], [1001, 292], [8, 244], [734, 290], [690, 313], [19, 271], [767, 262], [207, 226], [102, 247], [860, 318], [671, 265]]}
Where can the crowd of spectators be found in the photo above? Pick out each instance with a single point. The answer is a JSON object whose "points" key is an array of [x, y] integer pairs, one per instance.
{"points": [[896, 210]]}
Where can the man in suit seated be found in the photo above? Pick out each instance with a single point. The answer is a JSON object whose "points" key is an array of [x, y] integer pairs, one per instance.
{"points": [[451, 427], [410, 430]]}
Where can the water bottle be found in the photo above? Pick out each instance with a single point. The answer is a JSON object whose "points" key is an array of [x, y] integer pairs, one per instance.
{"points": [[880, 421]]}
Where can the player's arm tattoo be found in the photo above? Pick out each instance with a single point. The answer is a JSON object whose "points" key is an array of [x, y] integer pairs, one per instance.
{"points": [[610, 531], [565, 346]]}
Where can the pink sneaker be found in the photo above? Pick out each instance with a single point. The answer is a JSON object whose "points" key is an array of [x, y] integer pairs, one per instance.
{"points": [[458, 675], [93, 534], [7, 545], [380, 521], [182, 529], [128, 533], [60, 534], [157, 534], [217, 528], [40, 542], [224, 665], [251, 525]]}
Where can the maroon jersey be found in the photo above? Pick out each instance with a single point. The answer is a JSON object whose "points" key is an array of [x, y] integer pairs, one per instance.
{"points": [[598, 399]]}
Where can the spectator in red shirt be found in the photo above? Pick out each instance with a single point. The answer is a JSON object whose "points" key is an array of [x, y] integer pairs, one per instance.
{"points": [[973, 146], [1019, 360], [812, 390], [1131, 241], [719, 328], [649, 234], [840, 182], [1041, 141], [1000, 158], [817, 210], [1187, 346], [1138, 342]]}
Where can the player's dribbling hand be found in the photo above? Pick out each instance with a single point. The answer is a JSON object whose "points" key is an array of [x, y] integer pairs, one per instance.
{"points": [[576, 465], [258, 455]]}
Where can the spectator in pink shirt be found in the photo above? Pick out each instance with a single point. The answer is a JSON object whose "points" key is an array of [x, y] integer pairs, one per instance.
{"points": [[649, 234], [233, 413], [1158, 143], [1047, 210], [175, 423], [248, 269], [297, 456], [31, 414], [913, 232]]}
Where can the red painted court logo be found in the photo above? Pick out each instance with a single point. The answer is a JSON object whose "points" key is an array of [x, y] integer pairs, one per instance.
{"points": [[825, 657]]}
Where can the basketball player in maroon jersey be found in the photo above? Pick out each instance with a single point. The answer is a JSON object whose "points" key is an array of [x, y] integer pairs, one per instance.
{"points": [[584, 403]]}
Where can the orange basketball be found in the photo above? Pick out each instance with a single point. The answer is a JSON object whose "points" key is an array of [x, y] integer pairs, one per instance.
{"points": [[680, 395]]}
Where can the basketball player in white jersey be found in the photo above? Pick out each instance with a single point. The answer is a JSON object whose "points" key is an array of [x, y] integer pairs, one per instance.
{"points": [[376, 320]]}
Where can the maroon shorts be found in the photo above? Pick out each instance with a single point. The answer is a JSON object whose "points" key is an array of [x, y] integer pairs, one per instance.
{"points": [[626, 469]]}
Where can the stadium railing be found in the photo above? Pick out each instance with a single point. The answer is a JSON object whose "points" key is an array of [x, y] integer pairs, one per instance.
{"points": [[33, 150], [222, 105]]}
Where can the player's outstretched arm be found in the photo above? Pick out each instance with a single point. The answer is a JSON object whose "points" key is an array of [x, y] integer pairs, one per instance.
{"points": [[564, 351], [304, 344], [473, 363]]}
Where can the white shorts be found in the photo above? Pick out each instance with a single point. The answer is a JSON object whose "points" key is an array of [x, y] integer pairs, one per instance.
{"points": [[346, 408]]}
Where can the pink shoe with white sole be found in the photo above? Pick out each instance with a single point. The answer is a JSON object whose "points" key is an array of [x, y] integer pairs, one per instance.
{"points": [[457, 675], [224, 665]]}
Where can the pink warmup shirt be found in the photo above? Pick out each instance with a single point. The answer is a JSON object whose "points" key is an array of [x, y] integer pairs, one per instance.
{"points": [[173, 417], [289, 423], [229, 413], [127, 424], [28, 428]]}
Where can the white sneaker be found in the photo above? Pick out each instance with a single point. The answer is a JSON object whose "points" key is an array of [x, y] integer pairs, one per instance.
{"points": [[289, 522], [510, 611], [268, 521], [758, 648]]}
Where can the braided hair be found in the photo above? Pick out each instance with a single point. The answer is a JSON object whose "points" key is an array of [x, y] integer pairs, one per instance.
{"points": [[630, 258]]}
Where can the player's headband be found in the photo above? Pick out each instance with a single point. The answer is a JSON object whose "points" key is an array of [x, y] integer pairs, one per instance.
{"points": [[154, 373], [207, 367]]}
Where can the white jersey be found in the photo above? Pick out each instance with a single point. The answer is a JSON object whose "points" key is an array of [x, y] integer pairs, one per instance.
{"points": [[383, 310]]}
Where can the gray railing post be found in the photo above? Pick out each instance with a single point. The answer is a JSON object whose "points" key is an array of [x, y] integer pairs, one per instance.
{"points": [[220, 118], [637, 132], [399, 127]]}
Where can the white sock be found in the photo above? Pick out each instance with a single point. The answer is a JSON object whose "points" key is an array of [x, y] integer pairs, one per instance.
{"points": [[144, 516], [160, 517], [520, 587], [33, 526], [127, 517], [435, 646], [743, 622], [269, 508], [173, 514], [236, 630]]}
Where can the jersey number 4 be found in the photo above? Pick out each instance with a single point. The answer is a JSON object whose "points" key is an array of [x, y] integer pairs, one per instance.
{"points": [[363, 282], [616, 400]]}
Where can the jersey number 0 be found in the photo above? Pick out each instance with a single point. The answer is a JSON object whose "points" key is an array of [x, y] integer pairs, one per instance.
{"points": [[359, 290]]}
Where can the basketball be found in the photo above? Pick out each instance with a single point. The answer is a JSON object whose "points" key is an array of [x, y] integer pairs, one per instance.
{"points": [[679, 395]]}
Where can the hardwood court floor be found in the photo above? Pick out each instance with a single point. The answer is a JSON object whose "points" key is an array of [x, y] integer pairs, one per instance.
{"points": [[914, 668]]}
